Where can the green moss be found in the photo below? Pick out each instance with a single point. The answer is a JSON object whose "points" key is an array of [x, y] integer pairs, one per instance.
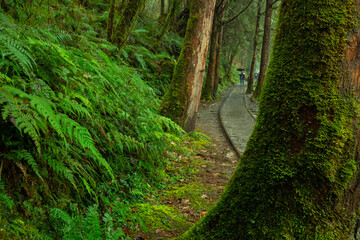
{"points": [[299, 163], [160, 217], [194, 193]]}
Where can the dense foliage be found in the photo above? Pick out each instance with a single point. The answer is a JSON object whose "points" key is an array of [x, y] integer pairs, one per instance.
{"points": [[81, 139], [79, 127]]}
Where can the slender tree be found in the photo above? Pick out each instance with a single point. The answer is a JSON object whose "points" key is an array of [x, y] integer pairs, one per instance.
{"points": [[250, 84], [218, 60], [298, 177], [265, 50], [181, 101], [209, 91], [4, 5], [110, 22], [130, 10], [162, 8], [170, 18]]}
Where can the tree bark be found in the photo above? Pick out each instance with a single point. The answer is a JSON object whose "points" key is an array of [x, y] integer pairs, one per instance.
{"points": [[210, 74], [265, 51], [218, 61], [127, 17], [209, 91], [298, 177], [110, 22], [162, 7], [181, 101], [250, 86], [4, 6], [169, 19], [231, 55]]}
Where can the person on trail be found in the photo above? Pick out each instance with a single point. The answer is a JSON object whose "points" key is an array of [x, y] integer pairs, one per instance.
{"points": [[242, 79]]}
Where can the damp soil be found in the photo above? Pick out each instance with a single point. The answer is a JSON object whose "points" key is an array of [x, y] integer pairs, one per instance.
{"points": [[213, 167]]}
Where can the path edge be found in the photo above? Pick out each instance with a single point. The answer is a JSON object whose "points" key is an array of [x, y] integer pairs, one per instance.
{"points": [[223, 125]]}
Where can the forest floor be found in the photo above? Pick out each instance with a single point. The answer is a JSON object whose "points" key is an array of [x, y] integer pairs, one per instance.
{"points": [[175, 210]]}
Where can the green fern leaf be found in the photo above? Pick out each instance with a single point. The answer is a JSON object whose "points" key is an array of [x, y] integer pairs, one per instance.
{"points": [[23, 154]]}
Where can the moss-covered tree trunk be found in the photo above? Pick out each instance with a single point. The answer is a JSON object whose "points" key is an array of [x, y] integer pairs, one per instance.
{"points": [[231, 57], [110, 21], [209, 87], [250, 84], [162, 8], [130, 10], [218, 60], [181, 101], [299, 175], [170, 18], [265, 51]]}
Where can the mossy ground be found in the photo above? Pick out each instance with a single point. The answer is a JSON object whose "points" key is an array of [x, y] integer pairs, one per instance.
{"points": [[159, 218], [199, 182]]}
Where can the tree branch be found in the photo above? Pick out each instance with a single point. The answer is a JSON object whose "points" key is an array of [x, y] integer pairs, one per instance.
{"points": [[274, 2], [237, 15]]}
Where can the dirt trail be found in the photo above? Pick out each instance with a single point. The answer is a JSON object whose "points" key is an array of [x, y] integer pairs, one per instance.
{"points": [[214, 165]]}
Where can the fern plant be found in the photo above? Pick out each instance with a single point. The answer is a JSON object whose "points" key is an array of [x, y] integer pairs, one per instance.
{"points": [[74, 120]]}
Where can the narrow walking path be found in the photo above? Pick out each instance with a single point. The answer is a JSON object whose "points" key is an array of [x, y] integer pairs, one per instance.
{"points": [[236, 119], [229, 124]]}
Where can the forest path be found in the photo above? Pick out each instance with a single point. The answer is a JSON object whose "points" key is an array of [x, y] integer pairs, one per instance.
{"points": [[223, 120], [236, 119]]}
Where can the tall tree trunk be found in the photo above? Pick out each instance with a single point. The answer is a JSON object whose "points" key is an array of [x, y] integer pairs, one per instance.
{"points": [[162, 8], [265, 51], [169, 19], [218, 61], [299, 177], [110, 22], [127, 17], [209, 88], [250, 85], [210, 74], [4, 6], [181, 101], [230, 61]]}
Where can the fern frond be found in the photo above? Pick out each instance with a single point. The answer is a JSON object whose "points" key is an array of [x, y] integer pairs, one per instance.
{"points": [[73, 107], [60, 168], [4, 198], [23, 154], [58, 213], [15, 110], [20, 54], [75, 131], [92, 223], [45, 108]]}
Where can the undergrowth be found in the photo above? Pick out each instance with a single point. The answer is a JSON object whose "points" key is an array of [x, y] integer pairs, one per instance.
{"points": [[81, 139]]}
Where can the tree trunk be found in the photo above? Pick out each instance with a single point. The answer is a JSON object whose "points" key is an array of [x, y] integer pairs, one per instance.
{"points": [[130, 10], [298, 177], [4, 6], [181, 101], [265, 51], [209, 92], [162, 7], [210, 74], [250, 85], [231, 56], [218, 58], [110, 22], [169, 19]]}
